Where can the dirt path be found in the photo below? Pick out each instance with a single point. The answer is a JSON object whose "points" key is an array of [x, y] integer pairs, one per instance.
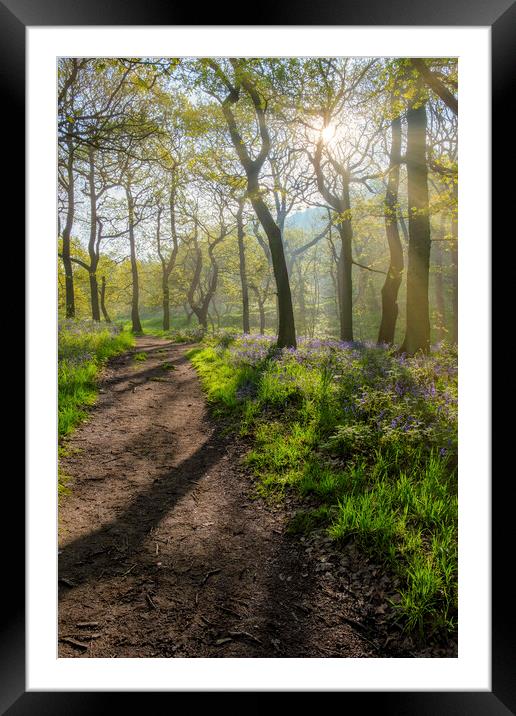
{"points": [[163, 550]]}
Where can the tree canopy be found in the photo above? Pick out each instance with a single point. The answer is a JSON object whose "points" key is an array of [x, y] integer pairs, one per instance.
{"points": [[295, 196]]}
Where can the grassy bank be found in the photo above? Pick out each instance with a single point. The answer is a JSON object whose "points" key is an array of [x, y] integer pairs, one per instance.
{"points": [[83, 347], [368, 438]]}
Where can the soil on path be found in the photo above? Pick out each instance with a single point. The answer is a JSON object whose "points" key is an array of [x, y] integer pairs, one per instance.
{"points": [[166, 552]]}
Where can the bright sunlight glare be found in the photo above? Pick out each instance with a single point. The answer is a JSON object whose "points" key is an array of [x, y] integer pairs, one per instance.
{"points": [[328, 133]]}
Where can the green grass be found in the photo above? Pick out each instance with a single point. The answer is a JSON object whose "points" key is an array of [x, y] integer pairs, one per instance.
{"points": [[140, 356], [370, 439], [178, 333], [82, 349]]}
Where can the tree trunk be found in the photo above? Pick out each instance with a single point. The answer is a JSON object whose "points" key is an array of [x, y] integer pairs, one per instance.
{"points": [[261, 307], [301, 302], [286, 325], [455, 272], [252, 167], [417, 335], [439, 283], [67, 230], [395, 272], [216, 312], [242, 267], [266, 250], [202, 316], [135, 296], [188, 315], [403, 225], [314, 314], [94, 293], [103, 300], [261, 311], [166, 302], [168, 266], [336, 292], [341, 205], [345, 279], [92, 248], [201, 307], [196, 277]]}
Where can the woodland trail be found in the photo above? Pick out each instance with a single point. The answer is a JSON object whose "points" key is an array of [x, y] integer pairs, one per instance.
{"points": [[164, 550]]}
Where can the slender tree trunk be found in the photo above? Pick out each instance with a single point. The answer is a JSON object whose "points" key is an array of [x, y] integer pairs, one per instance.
{"points": [[266, 250], [168, 266], [135, 296], [317, 300], [196, 277], [336, 291], [188, 315], [417, 335], [455, 273], [395, 272], [216, 312], [344, 274], [302, 302], [67, 230], [166, 302], [439, 283], [103, 300], [242, 267], [94, 293], [94, 286], [261, 311], [341, 205], [261, 307], [403, 224], [201, 307], [165, 273]]}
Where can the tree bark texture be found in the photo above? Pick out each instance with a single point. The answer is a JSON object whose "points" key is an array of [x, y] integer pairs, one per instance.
{"points": [[243, 268], [417, 335], [66, 235], [135, 295]]}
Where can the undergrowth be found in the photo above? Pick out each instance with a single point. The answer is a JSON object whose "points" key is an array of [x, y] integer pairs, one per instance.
{"points": [[369, 436]]}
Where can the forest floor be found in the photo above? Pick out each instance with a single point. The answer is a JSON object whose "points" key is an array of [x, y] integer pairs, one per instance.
{"points": [[165, 551]]}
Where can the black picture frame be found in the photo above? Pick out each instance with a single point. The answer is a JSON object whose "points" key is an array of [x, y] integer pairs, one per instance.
{"points": [[500, 15]]}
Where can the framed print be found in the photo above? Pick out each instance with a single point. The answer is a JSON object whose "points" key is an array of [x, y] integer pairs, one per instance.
{"points": [[43, 46]]}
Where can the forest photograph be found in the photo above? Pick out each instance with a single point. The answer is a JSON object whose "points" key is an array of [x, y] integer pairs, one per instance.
{"points": [[257, 318]]}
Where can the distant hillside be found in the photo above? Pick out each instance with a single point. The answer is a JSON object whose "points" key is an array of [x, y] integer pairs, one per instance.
{"points": [[306, 219]]}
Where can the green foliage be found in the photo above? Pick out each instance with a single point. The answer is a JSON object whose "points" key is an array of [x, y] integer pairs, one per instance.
{"points": [[178, 334], [370, 436], [140, 356], [410, 519], [83, 347], [219, 378], [185, 335]]}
